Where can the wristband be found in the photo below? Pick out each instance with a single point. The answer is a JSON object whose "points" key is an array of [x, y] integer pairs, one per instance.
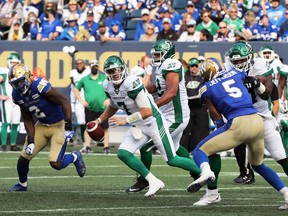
{"points": [[30, 140], [99, 120], [134, 117], [260, 90], [219, 123], [68, 125]]}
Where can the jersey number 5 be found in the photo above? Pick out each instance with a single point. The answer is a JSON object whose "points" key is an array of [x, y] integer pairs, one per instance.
{"points": [[233, 91]]}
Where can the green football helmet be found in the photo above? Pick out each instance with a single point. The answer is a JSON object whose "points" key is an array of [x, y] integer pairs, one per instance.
{"points": [[267, 53], [241, 55], [115, 69], [13, 59], [161, 50]]}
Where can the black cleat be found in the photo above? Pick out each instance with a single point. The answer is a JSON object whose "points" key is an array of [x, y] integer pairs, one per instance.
{"points": [[138, 186], [14, 148], [246, 179]]}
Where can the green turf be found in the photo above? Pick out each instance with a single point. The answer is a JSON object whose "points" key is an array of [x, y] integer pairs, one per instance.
{"points": [[102, 190]]}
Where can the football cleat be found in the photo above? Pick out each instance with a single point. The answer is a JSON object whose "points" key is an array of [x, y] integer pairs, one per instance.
{"points": [[14, 148], [79, 164], [18, 188], [246, 179], [210, 197], [154, 187], [138, 186], [205, 178]]}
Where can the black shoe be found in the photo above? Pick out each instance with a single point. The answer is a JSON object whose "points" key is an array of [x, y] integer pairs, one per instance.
{"points": [[244, 179], [106, 150], [138, 186], [14, 148], [4, 148]]}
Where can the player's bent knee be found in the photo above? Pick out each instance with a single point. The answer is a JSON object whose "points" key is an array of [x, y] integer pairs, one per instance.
{"points": [[56, 165]]}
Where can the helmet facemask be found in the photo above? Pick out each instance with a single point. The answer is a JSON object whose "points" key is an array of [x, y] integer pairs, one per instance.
{"points": [[13, 59], [117, 74], [20, 78], [241, 63], [268, 55], [161, 50]]}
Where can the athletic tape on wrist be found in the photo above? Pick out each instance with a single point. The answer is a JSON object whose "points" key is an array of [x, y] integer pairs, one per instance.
{"points": [[134, 117]]}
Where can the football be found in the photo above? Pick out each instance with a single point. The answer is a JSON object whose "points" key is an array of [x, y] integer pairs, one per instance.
{"points": [[95, 131]]}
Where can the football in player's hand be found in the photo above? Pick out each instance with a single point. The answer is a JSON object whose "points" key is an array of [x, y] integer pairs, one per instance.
{"points": [[95, 131]]}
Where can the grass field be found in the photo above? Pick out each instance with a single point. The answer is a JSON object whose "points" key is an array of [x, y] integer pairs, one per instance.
{"points": [[102, 190]]}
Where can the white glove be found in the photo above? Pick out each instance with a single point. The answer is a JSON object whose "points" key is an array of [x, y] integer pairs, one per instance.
{"points": [[68, 135], [29, 149]]}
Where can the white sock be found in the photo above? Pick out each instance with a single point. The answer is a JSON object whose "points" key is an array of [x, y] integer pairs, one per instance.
{"points": [[24, 184], [150, 177]]}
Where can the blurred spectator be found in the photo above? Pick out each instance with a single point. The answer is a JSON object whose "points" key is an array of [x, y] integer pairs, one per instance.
{"points": [[184, 64], [216, 10], [119, 4], [50, 6], [73, 8], [242, 6], [192, 11], [98, 10], [10, 10], [257, 9], [32, 25], [207, 23], [141, 26], [224, 34], [83, 14], [250, 28], [37, 4], [16, 31], [190, 35], [110, 14], [135, 4], [283, 32], [103, 31], [234, 22], [276, 13], [149, 34], [116, 32], [50, 27], [167, 33], [164, 12], [199, 5], [155, 5], [89, 24], [266, 31], [205, 35], [73, 32]]}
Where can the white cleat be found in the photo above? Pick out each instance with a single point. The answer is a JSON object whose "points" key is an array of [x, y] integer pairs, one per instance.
{"points": [[210, 197], [205, 178], [285, 206], [154, 187]]}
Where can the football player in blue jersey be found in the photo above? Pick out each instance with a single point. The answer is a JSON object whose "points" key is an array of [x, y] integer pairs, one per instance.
{"points": [[53, 114], [225, 94]]}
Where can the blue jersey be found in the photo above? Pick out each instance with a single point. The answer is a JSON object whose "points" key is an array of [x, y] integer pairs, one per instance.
{"points": [[228, 93], [36, 103]]}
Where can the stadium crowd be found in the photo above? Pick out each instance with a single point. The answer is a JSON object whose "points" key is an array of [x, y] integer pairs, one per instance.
{"points": [[144, 20]]}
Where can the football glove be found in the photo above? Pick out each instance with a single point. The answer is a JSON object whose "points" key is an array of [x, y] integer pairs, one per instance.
{"points": [[30, 147], [251, 82]]}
